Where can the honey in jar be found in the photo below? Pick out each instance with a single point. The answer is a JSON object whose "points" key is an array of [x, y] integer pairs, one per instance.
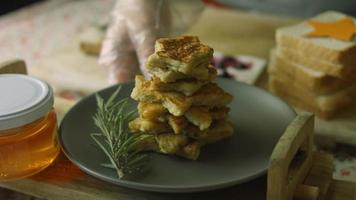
{"points": [[28, 126]]}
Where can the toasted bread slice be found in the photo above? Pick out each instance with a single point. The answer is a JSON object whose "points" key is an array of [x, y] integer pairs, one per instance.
{"points": [[190, 151], [171, 143], [317, 81], [156, 113], [219, 130], [184, 145], [177, 123], [171, 124], [200, 116], [178, 144], [181, 54], [203, 73], [211, 95], [176, 103], [324, 106], [152, 111], [186, 86], [141, 125]]}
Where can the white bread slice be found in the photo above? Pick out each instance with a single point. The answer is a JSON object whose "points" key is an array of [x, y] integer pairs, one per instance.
{"points": [[316, 81], [324, 106], [322, 48], [328, 68]]}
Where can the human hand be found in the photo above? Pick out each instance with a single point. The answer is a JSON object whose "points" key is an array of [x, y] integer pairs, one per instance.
{"points": [[135, 26]]}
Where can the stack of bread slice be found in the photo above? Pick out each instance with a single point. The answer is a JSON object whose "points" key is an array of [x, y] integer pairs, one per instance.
{"points": [[317, 74], [180, 105]]}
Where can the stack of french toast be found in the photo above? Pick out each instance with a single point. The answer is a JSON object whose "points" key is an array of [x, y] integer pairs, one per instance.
{"points": [[180, 105], [316, 73]]}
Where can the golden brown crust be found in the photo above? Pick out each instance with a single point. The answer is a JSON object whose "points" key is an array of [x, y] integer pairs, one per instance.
{"points": [[219, 130], [140, 125], [166, 75], [190, 151], [200, 116], [177, 103], [180, 107], [182, 48], [186, 86]]}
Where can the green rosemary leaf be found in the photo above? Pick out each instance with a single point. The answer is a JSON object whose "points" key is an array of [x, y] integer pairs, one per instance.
{"points": [[113, 96], [118, 144], [103, 148], [108, 165]]}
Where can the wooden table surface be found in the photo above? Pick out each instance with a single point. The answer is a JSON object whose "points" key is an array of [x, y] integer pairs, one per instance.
{"points": [[227, 31]]}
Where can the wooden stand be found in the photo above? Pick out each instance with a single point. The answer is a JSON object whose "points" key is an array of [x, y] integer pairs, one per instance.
{"points": [[298, 172]]}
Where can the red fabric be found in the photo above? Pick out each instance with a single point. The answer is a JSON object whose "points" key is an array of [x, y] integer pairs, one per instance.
{"points": [[214, 3]]}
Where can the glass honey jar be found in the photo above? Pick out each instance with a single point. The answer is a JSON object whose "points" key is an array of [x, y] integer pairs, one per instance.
{"points": [[28, 126]]}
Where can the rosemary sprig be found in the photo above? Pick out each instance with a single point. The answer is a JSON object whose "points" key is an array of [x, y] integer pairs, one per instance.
{"points": [[115, 140]]}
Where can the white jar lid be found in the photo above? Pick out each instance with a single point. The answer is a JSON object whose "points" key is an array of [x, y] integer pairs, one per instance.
{"points": [[23, 99]]}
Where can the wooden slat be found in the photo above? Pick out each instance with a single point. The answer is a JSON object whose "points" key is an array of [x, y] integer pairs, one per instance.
{"points": [[17, 66], [306, 192], [287, 170], [320, 174], [341, 190]]}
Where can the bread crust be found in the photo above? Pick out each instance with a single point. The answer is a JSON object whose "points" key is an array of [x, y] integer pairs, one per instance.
{"points": [[316, 81], [337, 52], [324, 106]]}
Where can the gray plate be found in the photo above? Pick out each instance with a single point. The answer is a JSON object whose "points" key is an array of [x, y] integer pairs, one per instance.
{"points": [[259, 119]]}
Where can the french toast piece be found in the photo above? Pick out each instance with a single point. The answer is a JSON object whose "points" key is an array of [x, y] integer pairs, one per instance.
{"points": [[201, 116], [186, 86], [190, 151], [171, 143], [140, 125], [182, 54], [176, 103], [177, 123], [152, 111], [183, 145], [219, 130], [153, 126], [202, 73], [211, 95], [177, 144]]}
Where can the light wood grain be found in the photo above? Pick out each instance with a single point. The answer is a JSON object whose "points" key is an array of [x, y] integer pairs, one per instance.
{"points": [[320, 173], [341, 190], [286, 169], [306, 192], [17, 66], [63, 180]]}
